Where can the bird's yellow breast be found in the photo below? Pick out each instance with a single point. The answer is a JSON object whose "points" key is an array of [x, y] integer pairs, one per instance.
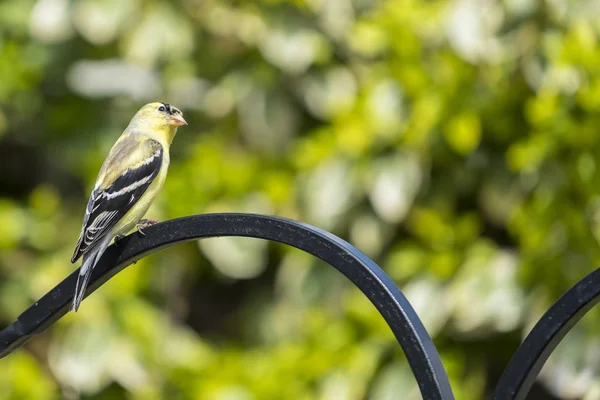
{"points": [[130, 220]]}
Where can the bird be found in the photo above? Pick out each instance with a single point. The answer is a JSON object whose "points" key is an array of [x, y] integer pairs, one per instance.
{"points": [[129, 180]]}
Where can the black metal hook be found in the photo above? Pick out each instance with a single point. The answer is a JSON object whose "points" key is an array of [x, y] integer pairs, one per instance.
{"points": [[362, 271], [522, 371]]}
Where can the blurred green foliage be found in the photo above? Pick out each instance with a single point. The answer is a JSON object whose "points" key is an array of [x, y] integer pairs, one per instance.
{"points": [[453, 141]]}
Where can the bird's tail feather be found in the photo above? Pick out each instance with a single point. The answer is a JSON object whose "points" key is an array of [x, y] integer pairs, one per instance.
{"points": [[89, 262]]}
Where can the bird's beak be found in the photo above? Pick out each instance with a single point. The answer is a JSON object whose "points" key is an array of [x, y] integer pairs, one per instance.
{"points": [[177, 120]]}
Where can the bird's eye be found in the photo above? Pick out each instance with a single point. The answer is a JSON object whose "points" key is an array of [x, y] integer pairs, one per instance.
{"points": [[161, 108]]}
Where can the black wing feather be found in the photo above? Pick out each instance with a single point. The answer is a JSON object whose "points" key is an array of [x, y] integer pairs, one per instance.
{"points": [[106, 207]]}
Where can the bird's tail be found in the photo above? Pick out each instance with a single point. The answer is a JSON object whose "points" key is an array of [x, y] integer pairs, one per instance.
{"points": [[90, 259]]}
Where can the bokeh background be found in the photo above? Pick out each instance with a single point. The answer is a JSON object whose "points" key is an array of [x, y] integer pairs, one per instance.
{"points": [[456, 142]]}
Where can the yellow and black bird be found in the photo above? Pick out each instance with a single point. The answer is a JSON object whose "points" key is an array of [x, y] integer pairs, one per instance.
{"points": [[129, 180]]}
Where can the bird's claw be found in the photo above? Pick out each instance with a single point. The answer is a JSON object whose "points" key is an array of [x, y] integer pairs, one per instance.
{"points": [[144, 223], [118, 238]]}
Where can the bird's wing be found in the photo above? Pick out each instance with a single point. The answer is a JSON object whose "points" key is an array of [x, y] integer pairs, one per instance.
{"points": [[128, 171]]}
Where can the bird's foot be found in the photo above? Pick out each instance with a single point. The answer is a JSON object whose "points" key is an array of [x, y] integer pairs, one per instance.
{"points": [[118, 238], [144, 223]]}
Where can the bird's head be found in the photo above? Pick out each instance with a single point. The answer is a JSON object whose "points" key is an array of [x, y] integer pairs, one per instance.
{"points": [[161, 115], [159, 120]]}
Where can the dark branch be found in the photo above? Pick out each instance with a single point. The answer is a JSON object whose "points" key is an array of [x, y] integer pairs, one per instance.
{"points": [[522, 371], [362, 271]]}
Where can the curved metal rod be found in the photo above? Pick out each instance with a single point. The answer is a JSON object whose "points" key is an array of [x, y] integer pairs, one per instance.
{"points": [[362, 271], [522, 371]]}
